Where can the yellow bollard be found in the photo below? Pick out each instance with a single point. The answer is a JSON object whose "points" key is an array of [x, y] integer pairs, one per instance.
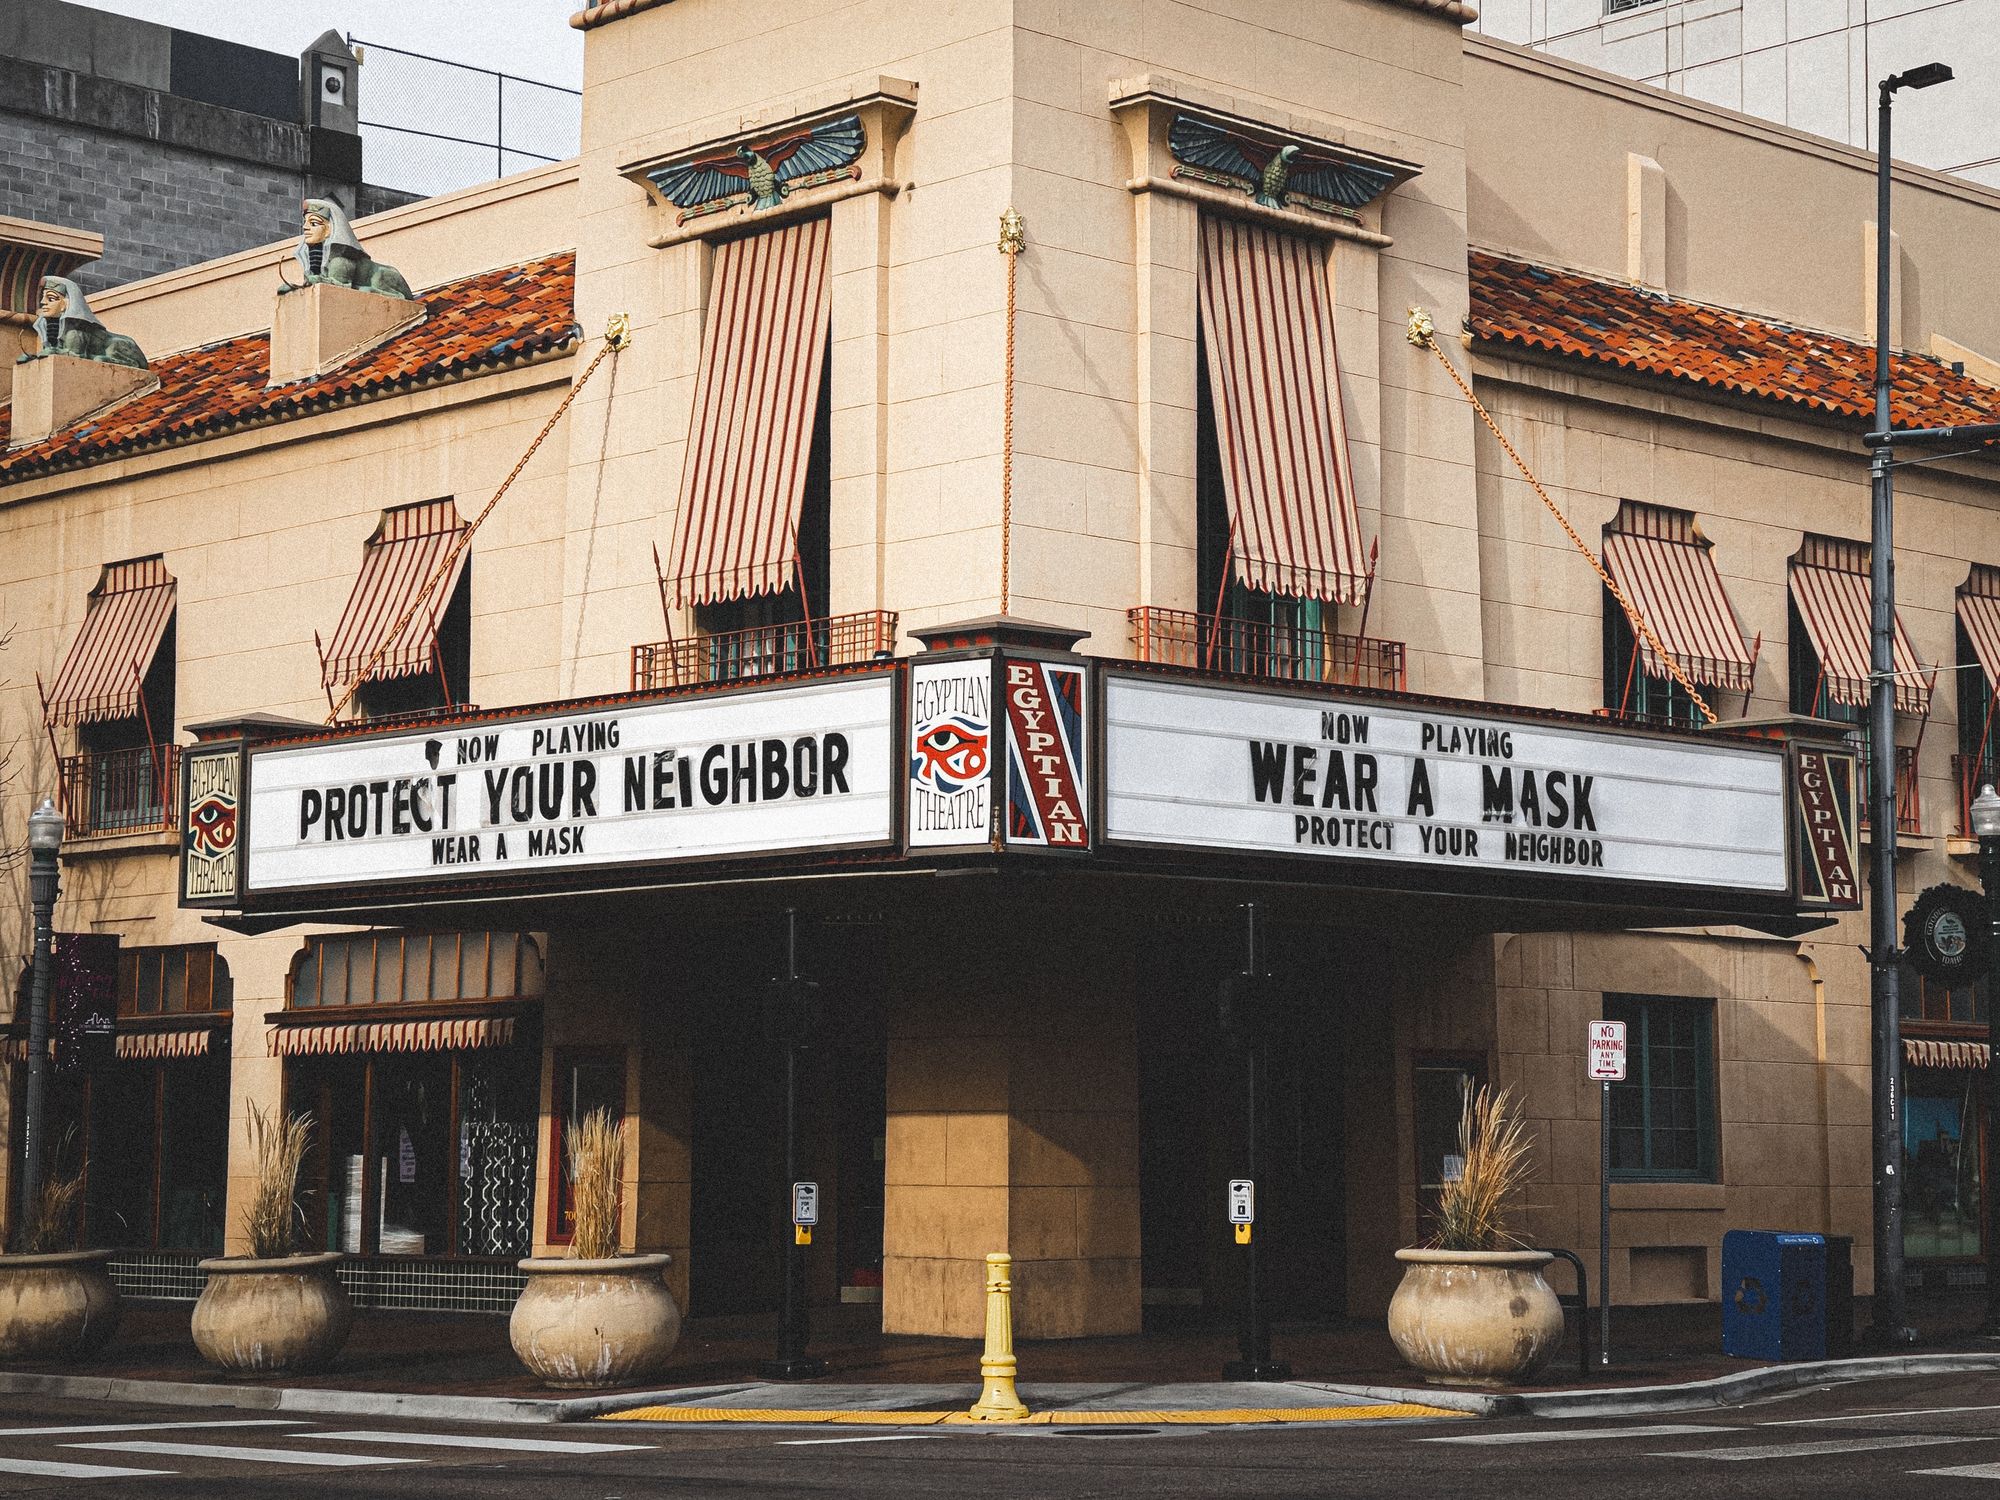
{"points": [[998, 1401]]}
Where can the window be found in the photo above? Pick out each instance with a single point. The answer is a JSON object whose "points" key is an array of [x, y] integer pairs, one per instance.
{"points": [[586, 1078], [1942, 1190], [1630, 691], [1619, 7], [399, 968], [1441, 1084], [170, 981], [404, 640], [1925, 999], [1663, 1115], [1667, 570]]}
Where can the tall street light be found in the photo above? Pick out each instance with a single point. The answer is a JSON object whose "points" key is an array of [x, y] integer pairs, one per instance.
{"points": [[1890, 1324], [1986, 824], [45, 832]]}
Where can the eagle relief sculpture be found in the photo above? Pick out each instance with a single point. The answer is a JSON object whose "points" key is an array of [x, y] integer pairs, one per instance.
{"points": [[761, 173], [329, 253], [1273, 175], [68, 326]]}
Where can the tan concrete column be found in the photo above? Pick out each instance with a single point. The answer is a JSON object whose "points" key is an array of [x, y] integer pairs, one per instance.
{"points": [[1013, 1122]]}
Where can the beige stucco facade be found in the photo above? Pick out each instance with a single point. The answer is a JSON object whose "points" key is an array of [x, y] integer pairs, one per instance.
{"points": [[1014, 1090]]}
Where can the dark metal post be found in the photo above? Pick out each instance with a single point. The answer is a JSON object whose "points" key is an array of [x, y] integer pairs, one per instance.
{"points": [[1890, 1324], [43, 881], [1603, 1225], [1251, 1017], [793, 1003], [1989, 877]]}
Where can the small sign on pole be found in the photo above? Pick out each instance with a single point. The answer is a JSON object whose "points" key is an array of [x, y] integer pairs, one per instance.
{"points": [[1607, 1051], [1242, 1207], [805, 1211]]}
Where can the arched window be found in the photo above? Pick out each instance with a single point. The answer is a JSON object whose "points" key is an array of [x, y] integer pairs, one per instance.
{"points": [[415, 968]]}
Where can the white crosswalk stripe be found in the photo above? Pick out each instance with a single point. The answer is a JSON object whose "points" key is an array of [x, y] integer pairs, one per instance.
{"points": [[489, 1444], [7, 1432], [1582, 1435], [1818, 1450], [1965, 1471], [38, 1468], [247, 1455]]}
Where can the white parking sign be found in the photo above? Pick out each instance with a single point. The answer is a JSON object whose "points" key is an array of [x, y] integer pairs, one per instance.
{"points": [[1607, 1051], [805, 1203]]}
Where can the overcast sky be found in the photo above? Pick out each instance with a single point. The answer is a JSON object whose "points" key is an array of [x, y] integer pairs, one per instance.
{"points": [[529, 37]]}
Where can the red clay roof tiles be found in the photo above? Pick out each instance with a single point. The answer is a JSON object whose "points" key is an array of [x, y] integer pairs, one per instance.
{"points": [[1528, 306], [477, 322]]}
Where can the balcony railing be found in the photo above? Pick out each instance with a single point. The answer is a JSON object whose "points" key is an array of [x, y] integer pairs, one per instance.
{"points": [[413, 716], [1260, 648], [764, 651], [1909, 804], [121, 791]]}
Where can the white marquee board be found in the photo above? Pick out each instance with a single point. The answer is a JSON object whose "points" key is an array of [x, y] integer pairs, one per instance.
{"points": [[1196, 766], [695, 778]]}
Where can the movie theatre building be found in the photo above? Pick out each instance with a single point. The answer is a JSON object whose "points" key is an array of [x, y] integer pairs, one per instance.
{"points": [[1015, 642]]}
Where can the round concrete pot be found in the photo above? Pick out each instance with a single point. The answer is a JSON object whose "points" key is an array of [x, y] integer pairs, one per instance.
{"points": [[581, 1324], [1475, 1317], [56, 1307], [260, 1317]]}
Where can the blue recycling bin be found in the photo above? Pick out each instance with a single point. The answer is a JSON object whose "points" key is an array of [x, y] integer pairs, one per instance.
{"points": [[1773, 1295]]}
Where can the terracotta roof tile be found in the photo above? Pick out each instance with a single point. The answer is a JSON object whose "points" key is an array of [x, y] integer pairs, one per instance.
{"points": [[1518, 303], [477, 322]]}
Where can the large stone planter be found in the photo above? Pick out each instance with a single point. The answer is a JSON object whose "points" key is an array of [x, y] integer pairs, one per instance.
{"points": [[56, 1307], [1475, 1317], [260, 1317], [581, 1324]]}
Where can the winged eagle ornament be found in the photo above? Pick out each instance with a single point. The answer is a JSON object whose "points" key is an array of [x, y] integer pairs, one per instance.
{"points": [[763, 170], [1273, 175]]}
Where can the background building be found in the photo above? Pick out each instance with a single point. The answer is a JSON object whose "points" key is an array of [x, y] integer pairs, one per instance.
{"points": [[1812, 67]]}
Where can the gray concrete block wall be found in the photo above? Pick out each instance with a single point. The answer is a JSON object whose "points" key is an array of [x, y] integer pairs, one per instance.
{"points": [[158, 207]]}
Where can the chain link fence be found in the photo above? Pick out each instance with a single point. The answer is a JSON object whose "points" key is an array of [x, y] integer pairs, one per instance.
{"points": [[430, 126]]}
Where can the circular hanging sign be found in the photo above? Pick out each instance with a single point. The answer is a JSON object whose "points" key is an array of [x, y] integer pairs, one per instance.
{"points": [[1945, 934]]}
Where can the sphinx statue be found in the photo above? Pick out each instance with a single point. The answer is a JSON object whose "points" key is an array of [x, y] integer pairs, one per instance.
{"points": [[328, 252], [68, 326]]}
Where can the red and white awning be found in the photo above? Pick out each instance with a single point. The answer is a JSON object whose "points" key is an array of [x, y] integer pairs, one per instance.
{"points": [[1979, 613], [1927, 1052], [756, 401], [162, 1046], [1673, 583], [447, 1035], [122, 629], [409, 547], [1274, 375], [1834, 603]]}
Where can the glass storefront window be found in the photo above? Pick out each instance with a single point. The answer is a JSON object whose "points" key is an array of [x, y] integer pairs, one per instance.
{"points": [[1942, 1204], [586, 1079]]}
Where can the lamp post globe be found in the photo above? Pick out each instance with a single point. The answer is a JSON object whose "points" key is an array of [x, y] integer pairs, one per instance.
{"points": [[45, 828], [1985, 813]]}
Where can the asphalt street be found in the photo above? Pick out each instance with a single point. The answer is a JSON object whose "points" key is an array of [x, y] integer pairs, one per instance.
{"points": [[1938, 1436]]}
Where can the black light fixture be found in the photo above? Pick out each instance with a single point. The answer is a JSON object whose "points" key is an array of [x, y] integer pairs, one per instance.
{"points": [[1929, 74], [45, 836]]}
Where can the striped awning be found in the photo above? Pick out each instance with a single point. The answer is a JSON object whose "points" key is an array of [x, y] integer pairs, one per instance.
{"points": [[1834, 603], [123, 626], [1670, 576], [452, 1035], [756, 399], [1274, 377], [155, 1046], [1979, 613], [408, 549], [1926, 1052]]}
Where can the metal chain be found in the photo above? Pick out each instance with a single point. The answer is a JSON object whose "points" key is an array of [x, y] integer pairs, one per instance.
{"points": [[1424, 336], [616, 336], [1013, 237]]}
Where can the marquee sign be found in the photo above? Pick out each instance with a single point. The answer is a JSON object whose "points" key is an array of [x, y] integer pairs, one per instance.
{"points": [[696, 778], [1198, 766], [951, 753]]}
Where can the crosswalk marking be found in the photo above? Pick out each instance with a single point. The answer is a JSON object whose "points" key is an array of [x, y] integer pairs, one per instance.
{"points": [[247, 1455], [496, 1444], [893, 1437], [7, 1432], [1577, 1435], [1872, 1416], [1966, 1471], [1816, 1450], [44, 1469]]}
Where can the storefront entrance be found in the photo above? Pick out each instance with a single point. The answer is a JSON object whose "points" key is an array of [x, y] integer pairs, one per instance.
{"points": [[1193, 1085]]}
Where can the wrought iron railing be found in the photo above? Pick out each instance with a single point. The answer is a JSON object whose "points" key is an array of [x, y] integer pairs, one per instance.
{"points": [[120, 791], [1262, 648], [414, 716], [764, 651], [1909, 803]]}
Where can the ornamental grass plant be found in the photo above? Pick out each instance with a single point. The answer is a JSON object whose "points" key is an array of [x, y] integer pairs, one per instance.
{"points": [[56, 1225], [272, 1217], [596, 1149], [1474, 1208]]}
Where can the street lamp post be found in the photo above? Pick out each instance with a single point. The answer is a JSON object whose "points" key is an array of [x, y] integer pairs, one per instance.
{"points": [[1985, 817], [1890, 1324], [45, 832]]}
